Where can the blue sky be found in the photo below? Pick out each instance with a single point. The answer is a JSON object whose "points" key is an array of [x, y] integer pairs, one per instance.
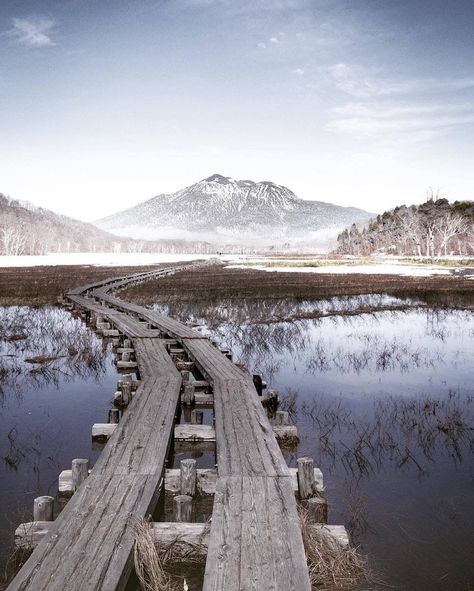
{"points": [[358, 102]]}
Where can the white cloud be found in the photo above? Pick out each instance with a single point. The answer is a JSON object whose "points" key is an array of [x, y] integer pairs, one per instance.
{"points": [[298, 72], [361, 83], [372, 125], [262, 45], [274, 40], [395, 123], [387, 110], [33, 31]]}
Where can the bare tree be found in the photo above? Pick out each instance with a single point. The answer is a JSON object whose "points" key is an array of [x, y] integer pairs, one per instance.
{"points": [[13, 240], [448, 226]]}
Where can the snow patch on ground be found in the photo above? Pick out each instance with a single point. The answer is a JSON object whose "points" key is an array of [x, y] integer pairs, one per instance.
{"points": [[382, 269]]}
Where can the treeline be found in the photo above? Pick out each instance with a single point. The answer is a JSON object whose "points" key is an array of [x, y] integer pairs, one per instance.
{"points": [[434, 229], [30, 230]]}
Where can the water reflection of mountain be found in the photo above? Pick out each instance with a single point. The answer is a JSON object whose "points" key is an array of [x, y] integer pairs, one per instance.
{"points": [[59, 347]]}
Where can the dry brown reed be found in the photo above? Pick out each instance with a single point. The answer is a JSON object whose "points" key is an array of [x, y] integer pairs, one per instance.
{"points": [[149, 566], [159, 565], [331, 565]]}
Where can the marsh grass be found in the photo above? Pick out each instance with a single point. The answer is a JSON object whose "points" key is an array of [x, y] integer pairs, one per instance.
{"points": [[161, 567], [53, 346], [332, 565]]}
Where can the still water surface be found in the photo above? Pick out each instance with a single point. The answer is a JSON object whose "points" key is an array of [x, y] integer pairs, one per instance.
{"points": [[46, 409], [384, 403]]}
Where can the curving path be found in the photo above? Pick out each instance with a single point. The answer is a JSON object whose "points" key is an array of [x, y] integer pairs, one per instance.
{"points": [[255, 539]]}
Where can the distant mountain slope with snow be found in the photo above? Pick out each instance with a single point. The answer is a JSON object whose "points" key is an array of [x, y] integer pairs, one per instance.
{"points": [[29, 230], [223, 210]]}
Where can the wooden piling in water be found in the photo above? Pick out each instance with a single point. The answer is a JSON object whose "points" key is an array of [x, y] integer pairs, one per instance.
{"points": [[282, 418], [183, 507], [80, 471], [43, 508], [197, 417], [306, 482], [187, 397], [317, 508], [188, 474], [114, 415]]}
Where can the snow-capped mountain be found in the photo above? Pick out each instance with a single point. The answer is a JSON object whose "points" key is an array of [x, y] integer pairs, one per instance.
{"points": [[224, 210]]}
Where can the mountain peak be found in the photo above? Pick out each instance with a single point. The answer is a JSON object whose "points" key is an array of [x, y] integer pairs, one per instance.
{"points": [[226, 210], [218, 178]]}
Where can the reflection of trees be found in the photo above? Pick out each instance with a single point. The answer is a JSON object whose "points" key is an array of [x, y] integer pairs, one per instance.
{"points": [[51, 333], [281, 310], [364, 343], [395, 430]]}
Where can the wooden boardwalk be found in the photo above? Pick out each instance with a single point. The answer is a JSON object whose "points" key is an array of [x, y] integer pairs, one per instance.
{"points": [[255, 541]]}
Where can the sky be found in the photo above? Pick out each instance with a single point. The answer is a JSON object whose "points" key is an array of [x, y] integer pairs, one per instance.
{"points": [[104, 104]]}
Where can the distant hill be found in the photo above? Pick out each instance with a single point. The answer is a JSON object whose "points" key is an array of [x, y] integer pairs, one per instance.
{"points": [[223, 210], [434, 229], [26, 229]]}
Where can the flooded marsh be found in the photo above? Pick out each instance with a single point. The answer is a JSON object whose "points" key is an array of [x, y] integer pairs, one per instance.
{"points": [[384, 403], [56, 379]]}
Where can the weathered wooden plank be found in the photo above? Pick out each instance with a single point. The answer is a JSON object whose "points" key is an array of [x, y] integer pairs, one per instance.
{"points": [[205, 482], [89, 546], [29, 535], [141, 440], [255, 541], [152, 357], [224, 552], [188, 432], [131, 327]]}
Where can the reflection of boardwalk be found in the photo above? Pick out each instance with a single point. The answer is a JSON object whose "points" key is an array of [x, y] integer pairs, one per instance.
{"points": [[255, 540]]}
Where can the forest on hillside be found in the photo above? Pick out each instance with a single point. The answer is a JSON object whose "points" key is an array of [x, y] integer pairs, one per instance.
{"points": [[433, 229], [29, 230]]}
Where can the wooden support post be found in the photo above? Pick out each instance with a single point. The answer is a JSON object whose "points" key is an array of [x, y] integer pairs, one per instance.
{"points": [[317, 509], [188, 475], [80, 471], [272, 399], [114, 415], [186, 410], [102, 431], [197, 417], [43, 508], [187, 397], [282, 418], [125, 356], [257, 380], [183, 506], [306, 482], [127, 344], [126, 393], [185, 376]]}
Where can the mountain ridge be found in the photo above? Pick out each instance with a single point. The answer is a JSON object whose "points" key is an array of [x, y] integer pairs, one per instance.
{"points": [[222, 209]]}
